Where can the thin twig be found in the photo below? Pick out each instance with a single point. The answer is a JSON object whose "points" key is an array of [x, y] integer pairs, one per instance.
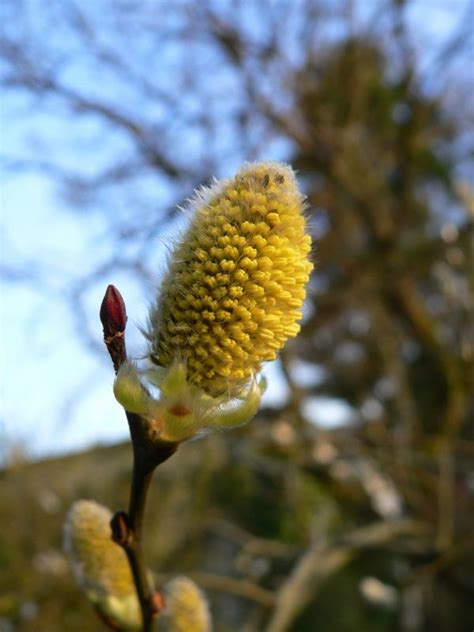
{"points": [[323, 560], [127, 528], [132, 543]]}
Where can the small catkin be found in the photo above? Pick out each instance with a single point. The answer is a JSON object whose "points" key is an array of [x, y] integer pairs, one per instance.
{"points": [[99, 565], [236, 283], [186, 608]]}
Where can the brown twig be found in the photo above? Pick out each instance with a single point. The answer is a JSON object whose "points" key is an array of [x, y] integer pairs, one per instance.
{"points": [[127, 528], [324, 559], [127, 532]]}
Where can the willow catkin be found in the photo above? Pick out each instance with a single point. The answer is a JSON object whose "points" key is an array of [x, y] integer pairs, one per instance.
{"points": [[99, 565], [186, 608], [236, 283]]}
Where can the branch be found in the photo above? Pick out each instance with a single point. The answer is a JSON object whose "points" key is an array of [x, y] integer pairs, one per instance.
{"points": [[322, 560], [127, 528], [27, 78], [413, 308]]}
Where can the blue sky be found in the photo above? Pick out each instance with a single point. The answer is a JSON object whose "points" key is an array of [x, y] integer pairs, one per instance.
{"points": [[55, 389]]}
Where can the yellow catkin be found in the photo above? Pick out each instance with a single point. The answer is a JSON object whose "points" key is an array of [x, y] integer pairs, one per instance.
{"points": [[236, 283], [186, 608], [99, 565]]}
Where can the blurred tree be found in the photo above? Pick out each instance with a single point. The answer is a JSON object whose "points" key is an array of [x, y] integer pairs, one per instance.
{"points": [[134, 105]]}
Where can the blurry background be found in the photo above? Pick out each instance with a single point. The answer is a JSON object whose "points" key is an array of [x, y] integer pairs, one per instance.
{"points": [[347, 505]]}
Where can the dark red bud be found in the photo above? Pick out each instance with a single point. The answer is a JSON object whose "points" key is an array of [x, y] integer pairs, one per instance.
{"points": [[120, 526], [113, 314]]}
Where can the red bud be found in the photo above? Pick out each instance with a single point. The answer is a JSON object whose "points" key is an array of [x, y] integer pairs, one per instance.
{"points": [[120, 526], [113, 314]]}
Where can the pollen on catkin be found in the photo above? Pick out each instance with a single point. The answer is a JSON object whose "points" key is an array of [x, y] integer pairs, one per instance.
{"points": [[236, 282], [99, 565], [186, 608]]}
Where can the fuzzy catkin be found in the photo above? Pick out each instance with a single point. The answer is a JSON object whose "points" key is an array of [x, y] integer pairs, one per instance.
{"points": [[186, 608], [236, 283], [99, 565]]}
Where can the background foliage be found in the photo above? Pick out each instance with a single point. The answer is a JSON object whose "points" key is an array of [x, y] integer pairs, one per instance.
{"points": [[368, 526]]}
